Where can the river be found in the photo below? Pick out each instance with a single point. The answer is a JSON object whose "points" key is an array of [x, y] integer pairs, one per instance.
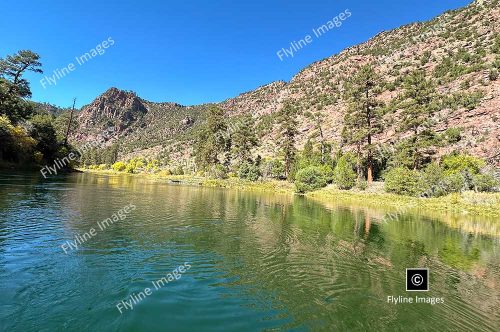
{"points": [[227, 260]]}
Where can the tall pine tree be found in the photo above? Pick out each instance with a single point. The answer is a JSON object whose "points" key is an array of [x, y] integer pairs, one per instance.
{"points": [[287, 120], [416, 115], [363, 117], [243, 139], [211, 141]]}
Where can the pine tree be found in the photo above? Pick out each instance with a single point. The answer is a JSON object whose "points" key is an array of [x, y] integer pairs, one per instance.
{"points": [[318, 118], [363, 117], [416, 115], [243, 139], [308, 152], [13, 87], [288, 131], [211, 141]]}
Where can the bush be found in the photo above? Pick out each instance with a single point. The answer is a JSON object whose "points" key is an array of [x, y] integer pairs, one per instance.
{"points": [[484, 182], [455, 183], [432, 181], [249, 172], [328, 172], [130, 168], [273, 169], [309, 179], [435, 181], [119, 166], [362, 184], [403, 181], [43, 132], [153, 165], [344, 175], [179, 170], [165, 172], [452, 135], [493, 75], [218, 172], [15, 144], [462, 163]]}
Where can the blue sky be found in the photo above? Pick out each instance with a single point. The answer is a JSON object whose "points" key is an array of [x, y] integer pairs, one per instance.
{"points": [[189, 52]]}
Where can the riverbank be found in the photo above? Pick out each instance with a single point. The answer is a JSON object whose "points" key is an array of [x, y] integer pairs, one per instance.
{"points": [[466, 203]]}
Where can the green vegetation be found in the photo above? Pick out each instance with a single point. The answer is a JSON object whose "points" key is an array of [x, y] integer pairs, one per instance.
{"points": [[28, 135], [420, 93], [466, 203], [287, 134], [363, 117], [344, 175], [309, 179], [212, 142], [455, 174], [403, 181]]}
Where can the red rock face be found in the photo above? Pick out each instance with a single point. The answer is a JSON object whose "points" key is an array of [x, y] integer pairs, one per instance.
{"points": [[114, 104]]}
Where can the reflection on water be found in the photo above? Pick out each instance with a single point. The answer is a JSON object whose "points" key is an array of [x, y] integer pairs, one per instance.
{"points": [[259, 261]]}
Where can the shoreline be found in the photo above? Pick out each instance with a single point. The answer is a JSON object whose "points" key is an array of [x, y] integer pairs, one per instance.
{"points": [[464, 204]]}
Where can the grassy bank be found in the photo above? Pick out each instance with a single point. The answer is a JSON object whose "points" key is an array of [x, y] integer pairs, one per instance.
{"points": [[467, 203], [234, 183]]}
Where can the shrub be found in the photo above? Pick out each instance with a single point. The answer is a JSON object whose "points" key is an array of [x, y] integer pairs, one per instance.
{"points": [[403, 181], [432, 180], [328, 172], [493, 75], [309, 178], [361, 184], [452, 135], [103, 167], [484, 182], [153, 165], [119, 166], [435, 181], [462, 163], [130, 168], [15, 144], [178, 170], [425, 57], [249, 172], [273, 168], [454, 183], [218, 171], [344, 175], [165, 172]]}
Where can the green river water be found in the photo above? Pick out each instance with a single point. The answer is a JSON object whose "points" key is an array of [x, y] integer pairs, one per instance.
{"points": [[243, 261]]}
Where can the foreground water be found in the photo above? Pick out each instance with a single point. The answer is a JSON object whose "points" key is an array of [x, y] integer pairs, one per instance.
{"points": [[257, 261]]}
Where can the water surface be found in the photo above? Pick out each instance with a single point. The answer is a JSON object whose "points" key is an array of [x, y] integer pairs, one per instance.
{"points": [[259, 261]]}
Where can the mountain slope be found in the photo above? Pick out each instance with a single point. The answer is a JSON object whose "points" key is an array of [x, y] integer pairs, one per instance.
{"points": [[459, 50]]}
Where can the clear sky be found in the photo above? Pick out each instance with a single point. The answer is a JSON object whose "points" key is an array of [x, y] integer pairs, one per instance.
{"points": [[189, 52]]}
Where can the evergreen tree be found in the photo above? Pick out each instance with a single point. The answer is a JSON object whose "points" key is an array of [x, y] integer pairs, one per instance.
{"points": [[364, 116], [211, 141], [416, 115], [42, 130], [288, 131], [318, 118], [13, 87], [308, 152], [243, 139]]}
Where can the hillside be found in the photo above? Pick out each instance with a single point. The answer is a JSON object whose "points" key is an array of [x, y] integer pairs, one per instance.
{"points": [[459, 50]]}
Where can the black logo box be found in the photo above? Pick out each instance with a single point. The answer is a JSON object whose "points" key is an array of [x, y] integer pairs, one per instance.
{"points": [[417, 280]]}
